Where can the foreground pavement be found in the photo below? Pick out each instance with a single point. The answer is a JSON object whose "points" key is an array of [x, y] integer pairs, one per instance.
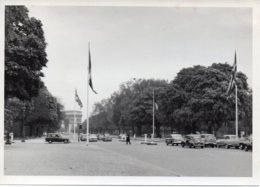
{"points": [[35, 157]]}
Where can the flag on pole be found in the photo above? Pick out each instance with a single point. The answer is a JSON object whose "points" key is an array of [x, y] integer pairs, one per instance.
{"points": [[89, 70], [233, 75], [77, 99], [156, 106]]}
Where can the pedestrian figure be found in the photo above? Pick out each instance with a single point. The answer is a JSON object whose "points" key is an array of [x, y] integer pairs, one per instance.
{"points": [[128, 139]]}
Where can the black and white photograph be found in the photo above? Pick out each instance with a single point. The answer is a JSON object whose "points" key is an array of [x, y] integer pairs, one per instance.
{"points": [[114, 90]]}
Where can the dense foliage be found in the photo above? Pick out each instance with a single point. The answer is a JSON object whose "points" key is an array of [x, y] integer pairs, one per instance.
{"points": [[28, 103], [25, 54], [194, 101]]}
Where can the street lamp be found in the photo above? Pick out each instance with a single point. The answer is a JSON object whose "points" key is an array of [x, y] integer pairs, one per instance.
{"points": [[23, 129]]}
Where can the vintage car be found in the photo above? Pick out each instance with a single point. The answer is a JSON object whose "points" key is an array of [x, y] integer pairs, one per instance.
{"points": [[245, 143], [193, 141], [122, 137], [174, 139], [92, 137], [249, 145], [56, 137], [228, 141], [100, 136], [209, 140], [107, 138]]}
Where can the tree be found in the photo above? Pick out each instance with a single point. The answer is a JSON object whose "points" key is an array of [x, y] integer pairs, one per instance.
{"points": [[25, 54], [208, 107], [46, 114]]}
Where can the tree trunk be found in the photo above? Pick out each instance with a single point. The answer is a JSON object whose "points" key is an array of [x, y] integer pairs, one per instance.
{"points": [[139, 130]]}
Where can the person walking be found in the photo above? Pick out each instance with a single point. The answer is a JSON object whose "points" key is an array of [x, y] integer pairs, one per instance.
{"points": [[128, 139]]}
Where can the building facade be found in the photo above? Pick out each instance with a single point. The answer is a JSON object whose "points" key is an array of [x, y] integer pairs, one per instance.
{"points": [[72, 120]]}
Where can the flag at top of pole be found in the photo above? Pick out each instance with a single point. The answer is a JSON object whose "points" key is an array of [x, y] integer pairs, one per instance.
{"points": [[77, 99], [232, 82], [89, 70]]}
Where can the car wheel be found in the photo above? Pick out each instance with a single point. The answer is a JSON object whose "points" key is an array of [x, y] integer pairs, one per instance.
{"points": [[202, 147], [50, 141], [65, 141], [182, 144]]}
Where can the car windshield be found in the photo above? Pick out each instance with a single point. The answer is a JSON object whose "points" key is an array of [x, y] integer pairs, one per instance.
{"points": [[195, 136], [230, 137], [177, 136]]}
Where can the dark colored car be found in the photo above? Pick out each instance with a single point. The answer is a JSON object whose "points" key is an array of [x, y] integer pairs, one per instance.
{"points": [[249, 145], [228, 141], [209, 140], [56, 137], [174, 139], [193, 141]]}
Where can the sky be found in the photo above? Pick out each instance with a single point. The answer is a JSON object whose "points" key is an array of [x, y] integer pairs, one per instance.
{"points": [[136, 42]]}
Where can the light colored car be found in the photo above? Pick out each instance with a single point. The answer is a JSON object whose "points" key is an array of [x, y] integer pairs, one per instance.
{"points": [[122, 137], [209, 140], [107, 138], [228, 141], [174, 139], [92, 137], [100, 136]]}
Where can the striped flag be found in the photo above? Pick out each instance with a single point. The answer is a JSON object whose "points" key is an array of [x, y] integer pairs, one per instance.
{"points": [[233, 75], [89, 71], [156, 106], [77, 99]]}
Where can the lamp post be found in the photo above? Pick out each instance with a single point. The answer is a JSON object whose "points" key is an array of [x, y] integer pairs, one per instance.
{"points": [[23, 129]]}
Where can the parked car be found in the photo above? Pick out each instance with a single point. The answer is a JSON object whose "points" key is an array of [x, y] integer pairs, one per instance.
{"points": [[209, 140], [249, 145], [228, 141], [92, 137], [246, 143], [56, 137], [107, 138], [122, 137], [193, 141], [100, 136], [174, 139]]}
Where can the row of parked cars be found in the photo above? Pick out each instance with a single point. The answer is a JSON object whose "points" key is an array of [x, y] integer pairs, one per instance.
{"points": [[209, 140], [96, 137], [58, 137]]}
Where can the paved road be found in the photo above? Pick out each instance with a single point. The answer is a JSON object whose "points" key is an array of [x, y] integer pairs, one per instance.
{"points": [[35, 157]]}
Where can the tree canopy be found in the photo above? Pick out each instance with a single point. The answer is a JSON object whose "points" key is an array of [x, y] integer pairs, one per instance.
{"points": [[195, 100], [25, 54]]}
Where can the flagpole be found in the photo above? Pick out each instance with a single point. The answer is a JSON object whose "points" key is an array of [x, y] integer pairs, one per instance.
{"points": [[88, 99], [153, 114], [236, 113], [74, 120]]}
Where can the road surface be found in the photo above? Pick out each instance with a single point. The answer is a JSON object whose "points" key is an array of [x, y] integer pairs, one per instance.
{"points": [[35, 157]]}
